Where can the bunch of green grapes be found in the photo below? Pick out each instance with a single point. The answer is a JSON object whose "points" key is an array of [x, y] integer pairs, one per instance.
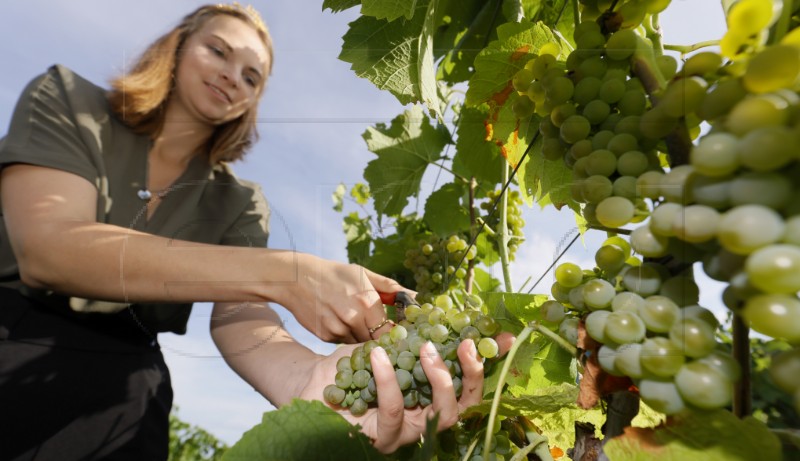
{"points": [[735, 205], [435, 264], [514, 220], [651, 329], [784, 370], [444, 323], [595, 118], [633, 11]]}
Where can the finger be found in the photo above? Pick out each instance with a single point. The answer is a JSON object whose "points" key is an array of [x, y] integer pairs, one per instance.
{"points": [[471, 374], [390, 401], [374, 319], [504, 342], [444, 395], [333, 330], [384, 284]]}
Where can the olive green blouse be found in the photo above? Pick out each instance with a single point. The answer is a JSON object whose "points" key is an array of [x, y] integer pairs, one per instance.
{"points": [[64, 121]]}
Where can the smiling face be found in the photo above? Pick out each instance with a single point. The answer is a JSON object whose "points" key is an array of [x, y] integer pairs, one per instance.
{"points": [[221, 72]]}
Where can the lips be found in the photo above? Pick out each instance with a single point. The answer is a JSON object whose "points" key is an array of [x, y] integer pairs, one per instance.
{"points": [[222, 95]]}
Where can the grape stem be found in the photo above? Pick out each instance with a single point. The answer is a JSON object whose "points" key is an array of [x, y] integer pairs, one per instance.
{"points": [[782, 26], [684, 49], [472, 220], [653, 28], [538, 443], [471, 448], [609, 229], [501, 381], [503, 244], [552, 336], [576, 12]]}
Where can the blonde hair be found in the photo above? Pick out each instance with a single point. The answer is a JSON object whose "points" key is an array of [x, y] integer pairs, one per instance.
{"points": [[139, 96]]}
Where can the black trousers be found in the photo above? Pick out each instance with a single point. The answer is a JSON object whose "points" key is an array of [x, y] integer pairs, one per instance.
{"points": [[79, 386]]}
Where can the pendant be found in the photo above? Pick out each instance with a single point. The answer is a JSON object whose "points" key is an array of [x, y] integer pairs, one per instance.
{"points": [[144, 194]]}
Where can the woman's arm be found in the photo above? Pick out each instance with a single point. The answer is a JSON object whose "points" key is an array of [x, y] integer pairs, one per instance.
{"points": [[50, 218], [253, 342]]}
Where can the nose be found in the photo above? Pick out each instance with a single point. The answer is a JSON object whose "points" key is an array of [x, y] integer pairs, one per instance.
{"points": [[230, 75]]}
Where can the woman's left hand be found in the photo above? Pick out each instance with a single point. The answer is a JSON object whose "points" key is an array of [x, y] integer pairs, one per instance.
{"points": [[391, 425]]}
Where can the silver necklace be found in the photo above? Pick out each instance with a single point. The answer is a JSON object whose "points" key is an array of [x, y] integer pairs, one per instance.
{"points": [[144, 193]]}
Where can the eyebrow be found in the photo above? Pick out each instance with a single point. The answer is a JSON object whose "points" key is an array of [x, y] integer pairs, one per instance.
{"points": [[230, 49]]}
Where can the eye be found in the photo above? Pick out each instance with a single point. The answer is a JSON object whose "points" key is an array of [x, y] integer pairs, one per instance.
{"points": [[250, 80], [217, 51]]}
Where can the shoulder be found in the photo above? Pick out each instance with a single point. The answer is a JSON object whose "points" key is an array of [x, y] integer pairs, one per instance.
{"points": [[61, 81], [234, 187]]}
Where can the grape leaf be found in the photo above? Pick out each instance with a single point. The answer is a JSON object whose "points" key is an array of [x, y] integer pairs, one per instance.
{"points": [[546, 178], [476, 155], [701, 435], [404, 151], [337, 196], [301, 431], [360, 192], [484, 281], [465, 26], [339, 5], [557, 14], [396, 56], [444, 213], [388, 9], [552, 409], [390, 251], [358, 234]]}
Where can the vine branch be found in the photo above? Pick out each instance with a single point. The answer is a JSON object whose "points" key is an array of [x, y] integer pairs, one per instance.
{"points": [[684, 49], [503, 230], [742, 393]]}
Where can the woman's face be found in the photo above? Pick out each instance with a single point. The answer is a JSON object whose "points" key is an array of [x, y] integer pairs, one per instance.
{"points": [[221, 71]]}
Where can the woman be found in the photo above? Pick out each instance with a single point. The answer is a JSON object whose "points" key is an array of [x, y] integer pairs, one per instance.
{"points": [[119, 211]]}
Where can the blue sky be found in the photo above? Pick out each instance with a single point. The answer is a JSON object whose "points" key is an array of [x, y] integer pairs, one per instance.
{"points": [[312, 117]]}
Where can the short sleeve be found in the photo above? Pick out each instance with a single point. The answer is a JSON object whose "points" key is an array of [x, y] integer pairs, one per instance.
{"points": [[45, 131], [251, 228]]}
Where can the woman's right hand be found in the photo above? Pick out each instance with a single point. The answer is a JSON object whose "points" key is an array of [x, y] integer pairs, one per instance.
{"points": [[337, 302]]}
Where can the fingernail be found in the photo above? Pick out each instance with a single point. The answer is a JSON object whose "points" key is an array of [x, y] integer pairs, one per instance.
{"points": [[379, 354], [473, 350], [428, 352]]}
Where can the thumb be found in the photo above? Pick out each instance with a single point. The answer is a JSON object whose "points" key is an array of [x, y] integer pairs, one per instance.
{"points": [[385, 284]]}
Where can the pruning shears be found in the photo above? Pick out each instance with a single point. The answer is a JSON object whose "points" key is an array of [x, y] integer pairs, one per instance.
{"points": [[396, 304]]}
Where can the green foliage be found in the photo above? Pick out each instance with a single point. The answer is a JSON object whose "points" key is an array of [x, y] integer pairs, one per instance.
{"points": [[302, 431], [404, 150], [339, 5], [710, 436], [388, 9], [476, 155], [445, 214], [192, 443]]}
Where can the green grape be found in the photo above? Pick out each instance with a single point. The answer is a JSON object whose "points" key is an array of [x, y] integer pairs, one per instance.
{"points": [[628, 360], [701, 385], [568, 329], [792, 233], [610, 258], [649, 184], [367, 395], [755, 112], [682, 290], [361, 378], [625, 327], [612, 91], [596, 188], [633, 102], [595, 324], [601, 139], [410, 398], [772, 190], [662, 217], [713, 192], [695, 337], [621, 44], [775, 315], [721, 99], [470, 332], [444, 301], [568, 275], [775, 268], [667, 65], [460, 321], [523, 107], [716, 155], [559, 90], [587, 90], [593, 66], [767, 148], [333, 394], [724, 364], [644, 280], [344, 379], [436, 316], [397, 333], [659, 313], [625, 186], [627, 301], [418, 373], [486, 325], [461, 273], [358, 407], [661, 357], [706, 62], [683, 96], [575, 128], [615, 212], [403, 378], [784, 370], [406, 360], [601, 162], [357, 359], [648, 244], [746, 228], [606, 357], [596, 111], [597, 294], [343, 364], [662, 396], [553, 311], [696, 223], [656, 123], [673, 184], [632, 163], [576, 298], [488, 348], [773, 68], [522, 79], [439, 333]]}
